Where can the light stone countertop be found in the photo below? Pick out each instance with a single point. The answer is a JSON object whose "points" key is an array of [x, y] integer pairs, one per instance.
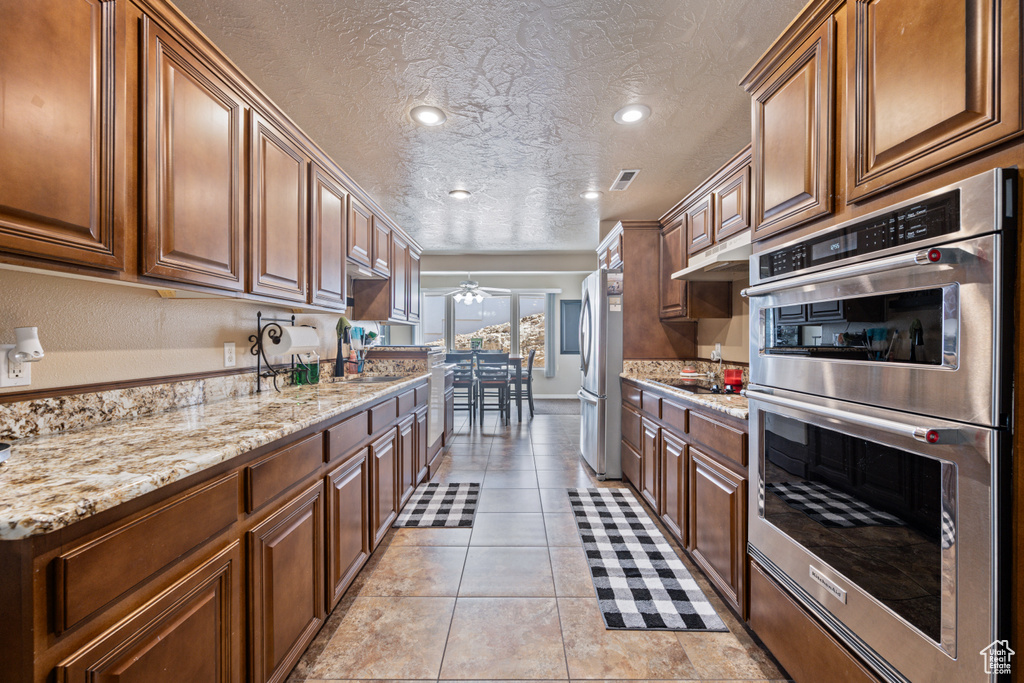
{"points": [[731, 404], [52, 481]]}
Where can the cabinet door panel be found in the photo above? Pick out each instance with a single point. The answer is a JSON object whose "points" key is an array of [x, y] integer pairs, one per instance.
{"points": [[673, 258], [793, 141], [381, 248], [286, 600], [348, 523], [449, 415], [328, 226], [422, 446], [732, 205], [406, 459], [649, 463], [279, 230], [673, 484], [57, 192], [931, 81], [414, 286], [360, 232], [399, 278], [190, 632], [193, 229], [631, 465], [700, 226], [718, 527], [383, 484]]}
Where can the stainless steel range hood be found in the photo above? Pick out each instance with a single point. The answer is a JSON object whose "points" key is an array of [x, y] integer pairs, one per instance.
{"points": [[724, 262]]}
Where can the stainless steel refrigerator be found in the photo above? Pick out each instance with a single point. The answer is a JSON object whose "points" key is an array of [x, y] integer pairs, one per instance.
{"points": [[600, 366]]}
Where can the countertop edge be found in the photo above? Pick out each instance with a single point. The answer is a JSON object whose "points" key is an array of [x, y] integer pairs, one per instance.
{"points": [[701, 400]]}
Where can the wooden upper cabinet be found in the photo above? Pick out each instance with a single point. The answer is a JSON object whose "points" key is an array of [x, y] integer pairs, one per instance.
{"points": [[399, 278], [929, 81], [732, 205], [193, 228], [381, 248], [700, 227], [414, 285], [672, 294], [615, 252], [328, 226], [793, 115], [59, 198], [360, 232], [279, 230]]}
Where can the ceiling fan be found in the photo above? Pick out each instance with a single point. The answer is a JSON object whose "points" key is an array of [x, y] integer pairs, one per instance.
{"points": [[470, 290]]}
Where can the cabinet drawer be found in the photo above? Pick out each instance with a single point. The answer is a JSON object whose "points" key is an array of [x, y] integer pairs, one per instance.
{"points": [[406, 402], [278, 471], [674, 415], [652, 404], [631, 464], [346, 435], [383, 414], [632, 395], [631, 426], [724, 440], [93, 574], [422, 395]]}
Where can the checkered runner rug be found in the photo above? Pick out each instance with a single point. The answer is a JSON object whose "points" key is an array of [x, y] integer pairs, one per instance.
{"points": [[640, 582], [434, 505]]}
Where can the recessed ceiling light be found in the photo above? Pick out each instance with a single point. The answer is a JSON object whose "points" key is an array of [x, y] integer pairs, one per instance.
{"points": [[632, 113], [459, 194], [428, 116], [590, 194]]}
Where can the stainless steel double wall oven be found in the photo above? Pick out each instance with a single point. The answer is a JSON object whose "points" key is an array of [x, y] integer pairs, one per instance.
{"points": [[879, 423]]}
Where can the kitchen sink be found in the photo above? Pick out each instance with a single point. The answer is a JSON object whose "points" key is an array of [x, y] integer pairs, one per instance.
{"points": [[372, 379]]}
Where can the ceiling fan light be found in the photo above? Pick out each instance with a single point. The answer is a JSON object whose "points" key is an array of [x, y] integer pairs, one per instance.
{"points": [[479, 298], [459, 297]]}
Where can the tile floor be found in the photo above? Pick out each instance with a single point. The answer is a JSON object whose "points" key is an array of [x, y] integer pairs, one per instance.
{"points": [[511, 598]]}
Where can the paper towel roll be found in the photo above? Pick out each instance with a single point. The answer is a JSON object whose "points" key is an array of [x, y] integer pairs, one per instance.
{"points": [[293, 340]]}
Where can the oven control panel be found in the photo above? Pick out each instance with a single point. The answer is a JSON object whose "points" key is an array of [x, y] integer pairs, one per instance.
{"points": [[939, 215]]}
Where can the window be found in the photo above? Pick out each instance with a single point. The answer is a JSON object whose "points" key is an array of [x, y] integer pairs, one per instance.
{"points": [[570, 333], [434, 319], [533, 326], [488, 320]]}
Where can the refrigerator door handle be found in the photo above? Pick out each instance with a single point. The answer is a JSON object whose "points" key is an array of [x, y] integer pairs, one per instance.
{"points": [[586, 397], [586, 333]]}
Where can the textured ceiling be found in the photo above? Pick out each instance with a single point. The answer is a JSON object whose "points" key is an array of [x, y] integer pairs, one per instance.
{"points": [[529, 87]]}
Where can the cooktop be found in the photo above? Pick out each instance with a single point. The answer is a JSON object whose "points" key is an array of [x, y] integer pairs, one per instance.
{"points": [[694, 386]]}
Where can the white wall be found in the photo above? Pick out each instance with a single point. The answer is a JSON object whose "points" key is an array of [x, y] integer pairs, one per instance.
{"points": [[567, 374]]}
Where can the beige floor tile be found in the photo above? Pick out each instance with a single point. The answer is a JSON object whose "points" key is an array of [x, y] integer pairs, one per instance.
{"points": [[468, 462], [459, 477], [722, 655], [431, 536], [510, 463], [571, 573], [556, 463], [508, 528], [550, 480], [411, 570], [561, 529], [388, 638], [504, 638], [557, 449], [507, 572], [523, 479], [592, 651], [554, 500], [509, 500]]}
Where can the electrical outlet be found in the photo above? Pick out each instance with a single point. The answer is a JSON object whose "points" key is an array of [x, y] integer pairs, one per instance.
{"points": [[229, 354], [13, 374], [717, 353]]}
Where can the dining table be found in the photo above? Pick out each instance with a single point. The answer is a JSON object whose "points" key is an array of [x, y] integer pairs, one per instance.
{"points": [[516, 363]]}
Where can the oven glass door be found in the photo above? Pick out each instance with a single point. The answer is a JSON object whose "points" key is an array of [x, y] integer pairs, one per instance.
{"points": [[878, 515]]}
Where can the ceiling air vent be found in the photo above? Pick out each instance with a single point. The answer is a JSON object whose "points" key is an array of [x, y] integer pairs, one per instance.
{"points": [[624, 179]]}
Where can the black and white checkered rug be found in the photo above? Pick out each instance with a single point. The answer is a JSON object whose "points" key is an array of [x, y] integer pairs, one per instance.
{"points": [[640, 582], [832, 508], [437, 505]]}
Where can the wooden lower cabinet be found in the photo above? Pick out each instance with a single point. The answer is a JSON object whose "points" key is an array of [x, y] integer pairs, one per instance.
{"points": [[449, 414], [190, 632], [718, 525], [348, 523], [384, 494], [649, 457], [286, 599], [422, 446], [631, 463], [674, 475], [406, 459]]}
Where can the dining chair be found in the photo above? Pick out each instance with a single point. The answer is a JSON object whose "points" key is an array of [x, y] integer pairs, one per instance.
{"points": [[465, 383], [492, 381], [525, 378]]}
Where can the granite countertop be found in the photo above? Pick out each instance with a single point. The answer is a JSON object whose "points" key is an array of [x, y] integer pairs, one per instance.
{"points": [[52, 481], [731, 404]]}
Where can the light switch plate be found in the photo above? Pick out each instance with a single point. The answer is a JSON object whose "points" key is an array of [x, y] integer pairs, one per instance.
{"points": [[229, 354], [23, 370]]}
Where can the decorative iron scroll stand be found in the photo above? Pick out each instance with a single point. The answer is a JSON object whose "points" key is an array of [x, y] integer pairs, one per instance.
{"points": [[272, 328]]}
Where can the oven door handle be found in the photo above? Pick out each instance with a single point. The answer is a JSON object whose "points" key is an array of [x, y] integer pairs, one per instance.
{"points": [[929, 435], [924, 257]]}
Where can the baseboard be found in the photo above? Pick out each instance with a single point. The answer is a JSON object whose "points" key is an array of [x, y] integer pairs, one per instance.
{"points": [[537, 396]]}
